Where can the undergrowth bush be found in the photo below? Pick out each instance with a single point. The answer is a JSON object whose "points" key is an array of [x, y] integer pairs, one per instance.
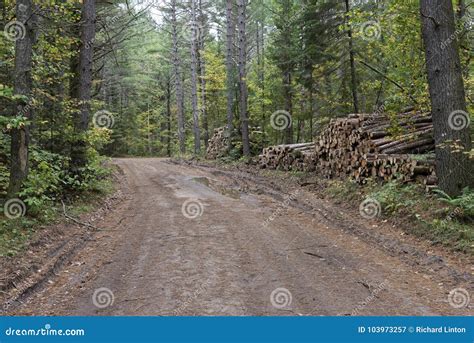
{"points": [[44, 182], [395, 198], [465, 202], [441, 219], [49, 178]]}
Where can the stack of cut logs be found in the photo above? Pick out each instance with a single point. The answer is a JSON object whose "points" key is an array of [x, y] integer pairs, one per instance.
{"points": [[289, 157], [217, 144], [363, 146]]}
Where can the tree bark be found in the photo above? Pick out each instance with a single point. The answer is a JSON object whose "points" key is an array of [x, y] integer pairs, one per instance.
{"points": [[244, 122], [202, 73], [168, 115], [230, 22], [178, 80], [448, 100], [287, 67], [194, 78], [261, 70], [288, 99], [3, 13], [84, 83], [23, 87], [461, 10], [355, 97]]}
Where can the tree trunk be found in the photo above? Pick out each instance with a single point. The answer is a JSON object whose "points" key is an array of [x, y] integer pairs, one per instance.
{"points": [[261, 72], [287, 68], [355, 97], [168, 115], [205, 121], [3, 13], [230, 68], [194, 79], [298, 130], [202, 73], [244, 122], [288, 99], [23, 87], [461, 10], [178, 80], [311, 109], [84, 83], [448, 101]]}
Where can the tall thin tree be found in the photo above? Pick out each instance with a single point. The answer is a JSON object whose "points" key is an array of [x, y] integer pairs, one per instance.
{"points": [[84, 85], [244, 120], [194, 77], [20, 136], [178, 78], [355, 96], [284, 56], [202, 71], [230, 42]]}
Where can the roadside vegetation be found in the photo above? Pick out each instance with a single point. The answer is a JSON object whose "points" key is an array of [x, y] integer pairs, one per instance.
{"points": [[49, 186], [435, 217]]}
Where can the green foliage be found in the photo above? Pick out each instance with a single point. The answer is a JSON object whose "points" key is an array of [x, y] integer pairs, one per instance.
{"points": [[216, 83], [342, 190], [390, 37], [13, 235], [44, 182], [10, 123], [395, 199], [93, 177], [464, 202], [97, 139], [419, 213]]}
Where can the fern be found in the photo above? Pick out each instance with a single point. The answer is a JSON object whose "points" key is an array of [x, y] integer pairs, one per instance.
{"points": [[465, 201]]}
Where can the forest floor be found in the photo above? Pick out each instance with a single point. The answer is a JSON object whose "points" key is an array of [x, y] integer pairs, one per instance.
{"points": [[247, 244]]}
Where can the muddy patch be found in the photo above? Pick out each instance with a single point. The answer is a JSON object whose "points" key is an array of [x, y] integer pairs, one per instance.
{"points": [[225, 190]]}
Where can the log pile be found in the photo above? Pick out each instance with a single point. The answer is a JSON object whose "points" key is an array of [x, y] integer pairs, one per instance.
{"points": [[365, 146], [388, 167], [378, 146], [288, 157], [217, 144]]}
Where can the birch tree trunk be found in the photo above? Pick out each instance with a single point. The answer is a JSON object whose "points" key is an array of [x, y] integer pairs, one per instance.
{"points": [[448, 99]]}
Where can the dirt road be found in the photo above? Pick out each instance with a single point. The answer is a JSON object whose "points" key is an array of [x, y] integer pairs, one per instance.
{"points": [[200, 241]]}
